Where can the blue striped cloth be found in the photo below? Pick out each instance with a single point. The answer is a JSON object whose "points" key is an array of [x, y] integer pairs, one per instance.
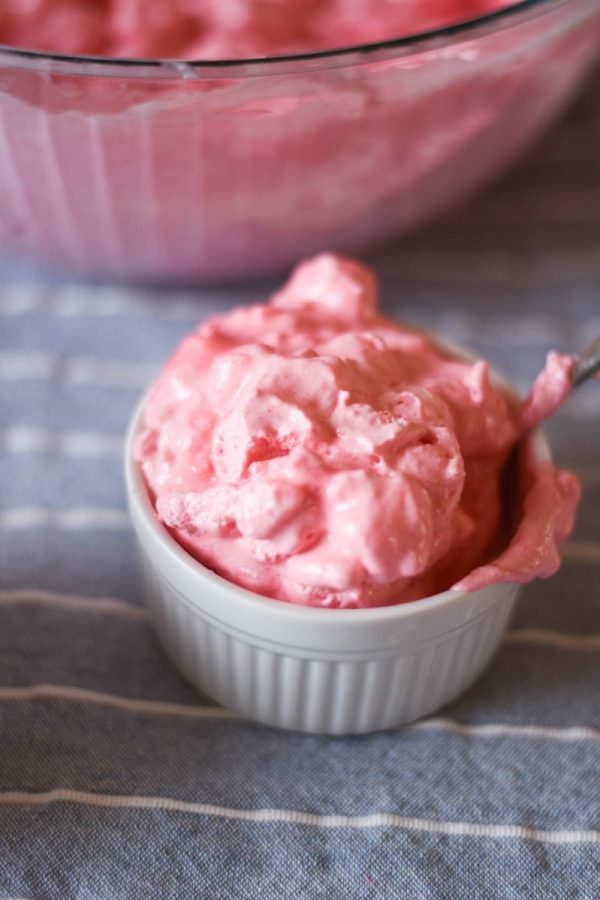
{"points": [[117, 780]]}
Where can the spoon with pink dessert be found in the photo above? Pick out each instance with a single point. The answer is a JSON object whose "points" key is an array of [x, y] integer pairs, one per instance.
{"points": [[559, 377]]}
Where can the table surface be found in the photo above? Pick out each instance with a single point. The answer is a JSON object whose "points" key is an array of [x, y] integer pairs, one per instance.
{"points": [[117, 780]]}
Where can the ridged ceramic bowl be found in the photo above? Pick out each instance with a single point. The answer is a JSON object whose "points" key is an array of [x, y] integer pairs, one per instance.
{"points": [[327, 671]]}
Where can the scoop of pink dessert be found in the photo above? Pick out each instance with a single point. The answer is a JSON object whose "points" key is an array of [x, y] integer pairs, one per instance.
{"points": [[316, 452]]}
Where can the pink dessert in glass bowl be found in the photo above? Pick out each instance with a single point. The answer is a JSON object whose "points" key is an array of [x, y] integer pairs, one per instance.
{"points": [[313, 451], [206, 165], [221, 29]]}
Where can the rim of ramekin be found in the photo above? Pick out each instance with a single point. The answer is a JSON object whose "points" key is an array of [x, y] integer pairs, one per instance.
{"points": [[195, 69], [140, 503]]}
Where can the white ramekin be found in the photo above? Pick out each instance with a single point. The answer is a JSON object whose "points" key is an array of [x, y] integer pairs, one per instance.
{"points": [[325, 671]]}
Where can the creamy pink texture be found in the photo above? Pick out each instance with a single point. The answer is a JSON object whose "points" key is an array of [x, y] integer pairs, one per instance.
{"points": [[214, 29], [316, 452]]}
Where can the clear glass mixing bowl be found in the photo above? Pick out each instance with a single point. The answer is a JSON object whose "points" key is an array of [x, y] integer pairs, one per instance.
{"points": [[148, 169]]}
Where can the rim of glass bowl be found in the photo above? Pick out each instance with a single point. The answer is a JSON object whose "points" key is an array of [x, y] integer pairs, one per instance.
{"points": [[439, 38]]}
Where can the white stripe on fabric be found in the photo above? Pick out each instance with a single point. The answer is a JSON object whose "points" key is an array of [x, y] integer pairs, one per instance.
{"points": [[37, 596], [27, 596], [81, 695], [555, 639], [69, 443], [79, 371], [296, 817], [506, 729], [74, 519], [95, 303], [164, 708]]}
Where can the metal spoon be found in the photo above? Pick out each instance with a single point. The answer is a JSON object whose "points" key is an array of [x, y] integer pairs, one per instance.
{"points": [[587, 363], [584, 366]]}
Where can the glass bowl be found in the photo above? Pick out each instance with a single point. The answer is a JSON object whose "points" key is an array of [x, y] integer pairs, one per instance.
{"points": [[204, 171]]}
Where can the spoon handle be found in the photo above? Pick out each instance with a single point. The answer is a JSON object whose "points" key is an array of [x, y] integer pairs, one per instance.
{"points": [[586, 364]]}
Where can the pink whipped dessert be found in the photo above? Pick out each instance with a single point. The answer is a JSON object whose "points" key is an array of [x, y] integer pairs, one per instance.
{"points": [[216, 29], [313, 451]]}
